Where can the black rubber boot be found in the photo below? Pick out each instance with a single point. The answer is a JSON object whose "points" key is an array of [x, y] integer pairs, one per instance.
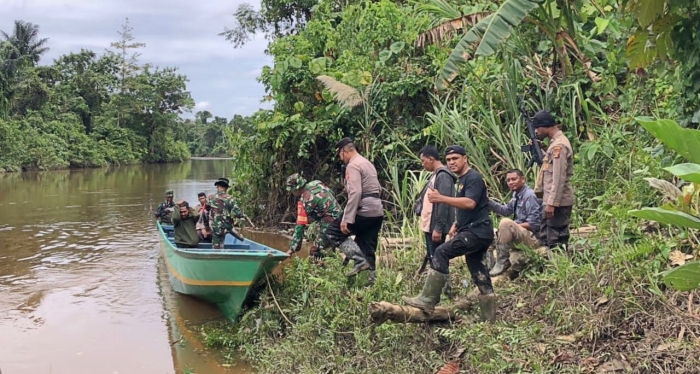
{"points": [[423, 266], [353, 252]]}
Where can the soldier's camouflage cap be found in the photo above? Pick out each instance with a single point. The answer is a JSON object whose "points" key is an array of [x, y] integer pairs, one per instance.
{"points": [[169, 193], [223, 182], [295, 182]]}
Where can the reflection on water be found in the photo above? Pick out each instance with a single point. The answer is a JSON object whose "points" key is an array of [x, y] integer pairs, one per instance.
{"points": [[80, 286]]}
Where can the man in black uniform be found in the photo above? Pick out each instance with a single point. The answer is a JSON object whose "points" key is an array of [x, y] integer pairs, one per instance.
{"points": [[472, 235]]}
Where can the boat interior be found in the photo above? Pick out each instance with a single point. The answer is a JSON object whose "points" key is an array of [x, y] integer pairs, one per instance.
{"points": [[229, 243]]}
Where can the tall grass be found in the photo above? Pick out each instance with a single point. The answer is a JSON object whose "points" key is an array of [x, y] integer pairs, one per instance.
{"points": [[484, 119]]}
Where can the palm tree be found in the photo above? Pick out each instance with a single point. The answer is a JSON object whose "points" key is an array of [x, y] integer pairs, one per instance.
{"points": [[21, 49], [25, 45]]}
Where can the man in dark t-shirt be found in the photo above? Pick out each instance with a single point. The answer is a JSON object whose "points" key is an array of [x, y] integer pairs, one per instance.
{"points": [[472, 235]]}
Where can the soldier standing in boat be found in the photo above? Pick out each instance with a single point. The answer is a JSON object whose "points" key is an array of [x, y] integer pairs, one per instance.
{"points": [[222, 209], [316, 203], [165, 209]]}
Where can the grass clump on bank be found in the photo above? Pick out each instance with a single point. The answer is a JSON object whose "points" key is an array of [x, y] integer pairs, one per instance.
{"points": [[330, 330]]}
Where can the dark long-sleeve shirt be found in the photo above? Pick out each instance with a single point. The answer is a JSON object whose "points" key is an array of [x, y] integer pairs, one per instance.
{"points": [[529, 208], [443, 215], [185, 229]]}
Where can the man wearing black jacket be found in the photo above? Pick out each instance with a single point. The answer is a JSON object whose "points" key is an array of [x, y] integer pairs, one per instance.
{"points": [[435, 219], [472, 235]]}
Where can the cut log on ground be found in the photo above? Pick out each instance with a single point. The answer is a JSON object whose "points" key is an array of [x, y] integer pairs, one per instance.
{"points": [[397, 243], [584, 231], [384, 311]]}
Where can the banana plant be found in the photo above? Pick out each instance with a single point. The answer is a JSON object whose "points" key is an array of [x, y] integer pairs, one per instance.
{"points": [[652, 38], [489, 30], [487, 35], [683, 208]]}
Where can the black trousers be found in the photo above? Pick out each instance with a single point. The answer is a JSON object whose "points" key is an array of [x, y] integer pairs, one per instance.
{"points": [[555, 231], [366, 231], [473, 248], [431, 246]]}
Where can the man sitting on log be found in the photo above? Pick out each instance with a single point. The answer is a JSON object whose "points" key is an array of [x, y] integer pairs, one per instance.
{"points": [[526, 211], [472, 235]]}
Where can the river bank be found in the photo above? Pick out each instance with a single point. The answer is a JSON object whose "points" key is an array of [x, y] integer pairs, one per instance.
{"points": [[582, 311], [203, 158]]}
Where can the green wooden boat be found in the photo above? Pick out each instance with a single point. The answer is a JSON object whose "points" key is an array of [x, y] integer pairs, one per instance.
{"points": [[220, 276]]}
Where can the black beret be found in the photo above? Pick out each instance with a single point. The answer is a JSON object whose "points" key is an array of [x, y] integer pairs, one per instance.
{"points": [[543, 119], [342, 143]]}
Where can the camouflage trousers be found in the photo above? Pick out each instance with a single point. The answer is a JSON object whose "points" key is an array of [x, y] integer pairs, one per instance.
{"points": [[555, 231], [219, 231], [321, 242]]}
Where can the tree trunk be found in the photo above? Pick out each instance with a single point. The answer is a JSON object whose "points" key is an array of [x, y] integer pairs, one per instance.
{"points": [[383, 311]]}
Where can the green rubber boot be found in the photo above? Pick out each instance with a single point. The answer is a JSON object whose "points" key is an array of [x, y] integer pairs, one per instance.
{"points": [[430, 295], [502, 259], [487, 308]]}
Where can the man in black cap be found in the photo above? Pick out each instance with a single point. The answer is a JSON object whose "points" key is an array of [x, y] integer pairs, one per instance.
{"points": [[472, 235], [554, 181], [222, 210], [363, 214]]}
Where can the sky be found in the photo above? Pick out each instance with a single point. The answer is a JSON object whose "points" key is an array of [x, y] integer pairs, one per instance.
{"points": [[177, 33]]}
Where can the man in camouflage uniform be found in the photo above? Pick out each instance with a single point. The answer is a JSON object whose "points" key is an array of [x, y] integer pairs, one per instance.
{"points": [[554, 182], [165, 209], [222, 210], [316, 204]]}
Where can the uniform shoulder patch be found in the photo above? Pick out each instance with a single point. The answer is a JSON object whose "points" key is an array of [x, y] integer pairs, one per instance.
{"points": [[556, 151]]}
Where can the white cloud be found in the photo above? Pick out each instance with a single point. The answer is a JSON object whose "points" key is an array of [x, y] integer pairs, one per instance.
{"points": [[179, 33], [201, 105]]}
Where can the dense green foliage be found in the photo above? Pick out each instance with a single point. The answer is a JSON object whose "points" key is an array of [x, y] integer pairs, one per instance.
{"points": [[87, 109], [380, 62], [206, 135], [682, 209], [387, 74]]}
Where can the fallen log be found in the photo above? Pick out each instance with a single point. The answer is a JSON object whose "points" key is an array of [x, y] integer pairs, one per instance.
{"points": [[383, 311], [398, 243]]}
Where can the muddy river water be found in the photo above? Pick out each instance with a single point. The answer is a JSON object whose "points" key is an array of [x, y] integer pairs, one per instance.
{"points": [[82, 287]]}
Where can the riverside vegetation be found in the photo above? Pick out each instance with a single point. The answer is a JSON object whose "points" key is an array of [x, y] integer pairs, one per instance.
{"points": [[396, 75], [89, 110]]}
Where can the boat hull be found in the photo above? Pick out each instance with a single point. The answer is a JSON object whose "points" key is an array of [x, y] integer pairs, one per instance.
{"points": [[222, 277]]}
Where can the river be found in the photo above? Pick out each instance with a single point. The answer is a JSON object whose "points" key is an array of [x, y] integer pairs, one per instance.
{"points": [[82, 287]]}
